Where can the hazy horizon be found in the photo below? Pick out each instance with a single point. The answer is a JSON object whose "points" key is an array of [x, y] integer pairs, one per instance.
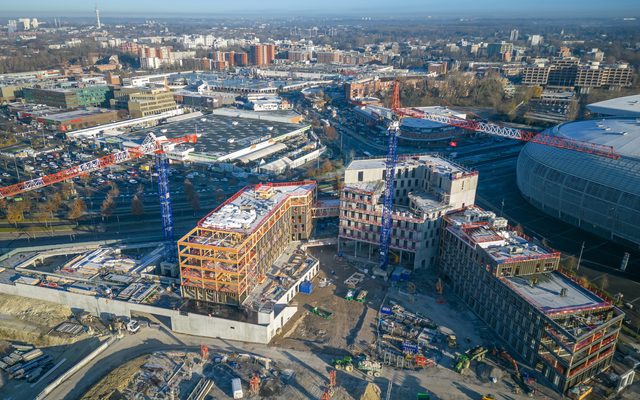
{"points": [[352, 8]]}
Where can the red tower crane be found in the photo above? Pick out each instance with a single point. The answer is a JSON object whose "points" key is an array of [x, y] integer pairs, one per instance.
{"points": [[151, 145], [503, 131]]}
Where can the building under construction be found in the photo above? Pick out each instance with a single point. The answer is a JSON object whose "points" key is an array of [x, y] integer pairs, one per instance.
{"points": [[427, 187], [228, 254], [565, 331]]}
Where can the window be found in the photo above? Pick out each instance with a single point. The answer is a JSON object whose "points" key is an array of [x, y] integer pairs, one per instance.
{"points": [[360, 176]]}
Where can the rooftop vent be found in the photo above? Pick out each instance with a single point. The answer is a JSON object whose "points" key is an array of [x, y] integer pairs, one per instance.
{"points": [[563, 292]]}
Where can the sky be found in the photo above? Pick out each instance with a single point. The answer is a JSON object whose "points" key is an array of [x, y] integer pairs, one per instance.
{"points": [[444, 8]]}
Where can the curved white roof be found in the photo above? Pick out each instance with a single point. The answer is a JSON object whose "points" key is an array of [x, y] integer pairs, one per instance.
{"points": [[622, 134], [628, 106]]}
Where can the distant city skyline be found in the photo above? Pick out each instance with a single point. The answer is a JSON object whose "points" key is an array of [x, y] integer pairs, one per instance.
{"points": [[204, 8]]}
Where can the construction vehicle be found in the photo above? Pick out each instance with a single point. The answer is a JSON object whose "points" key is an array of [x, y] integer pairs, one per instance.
{"points": [[472, 125], [344, 363], [476, 353], [462, 363], [488, 397], [579, 392], [452, 341], [350, 294], [464, 360], [369, 366], [321, 312], [133, 326], [423, 396], [362, 296], [151, 145]]}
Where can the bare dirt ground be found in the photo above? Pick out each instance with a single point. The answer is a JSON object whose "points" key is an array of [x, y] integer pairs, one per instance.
{"points": [[30, 320], [352, 323], [116, 381]]}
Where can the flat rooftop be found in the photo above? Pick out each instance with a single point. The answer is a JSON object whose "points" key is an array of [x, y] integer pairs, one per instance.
{"points": [[547, 294], [221, 135], [65, 116], [246, 210], [482, 228], [440, 164]]}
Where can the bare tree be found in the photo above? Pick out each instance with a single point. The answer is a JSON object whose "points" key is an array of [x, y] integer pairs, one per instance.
{"points": [[327, 166], [78, 207], [106, 210], [15, 213], [137, 207]]}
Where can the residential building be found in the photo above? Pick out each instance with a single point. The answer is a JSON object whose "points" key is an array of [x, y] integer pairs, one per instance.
{"points": [[262, 54], [426, 188], [565, 331], [513, 36], [570, 73]]}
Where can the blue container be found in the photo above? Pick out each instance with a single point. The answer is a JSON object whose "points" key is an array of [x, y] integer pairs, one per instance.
{"points": [[306, 287], [386, 311]]}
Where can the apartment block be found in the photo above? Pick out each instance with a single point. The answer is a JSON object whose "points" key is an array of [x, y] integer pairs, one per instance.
{"points": [[570, 73], [563, 330], [228, 254], [426, 189]]}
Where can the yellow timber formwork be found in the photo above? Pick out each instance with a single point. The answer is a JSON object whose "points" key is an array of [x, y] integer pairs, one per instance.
{"points": [[224, 265]]}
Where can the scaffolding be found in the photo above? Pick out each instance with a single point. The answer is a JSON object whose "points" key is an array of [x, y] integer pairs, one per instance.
{"points": [[223, 264]]}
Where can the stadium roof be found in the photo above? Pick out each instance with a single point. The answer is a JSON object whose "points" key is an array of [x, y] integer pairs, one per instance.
{"points": [[622, 134], [628, 106]]}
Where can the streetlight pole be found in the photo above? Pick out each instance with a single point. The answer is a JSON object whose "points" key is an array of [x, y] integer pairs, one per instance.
{"points": [[580, 257]]}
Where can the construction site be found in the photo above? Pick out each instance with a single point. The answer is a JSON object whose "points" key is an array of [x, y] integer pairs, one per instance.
{"points": [[421, 295], [226, 257]]}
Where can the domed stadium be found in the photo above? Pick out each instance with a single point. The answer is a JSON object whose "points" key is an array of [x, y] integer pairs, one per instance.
{"points": [[598, 194]]}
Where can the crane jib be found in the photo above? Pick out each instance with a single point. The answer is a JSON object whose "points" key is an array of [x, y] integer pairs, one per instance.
{"points": [[150, 145]]}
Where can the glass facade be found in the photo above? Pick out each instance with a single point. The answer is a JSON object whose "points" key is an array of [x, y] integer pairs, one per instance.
{"points": [[597, 194]]}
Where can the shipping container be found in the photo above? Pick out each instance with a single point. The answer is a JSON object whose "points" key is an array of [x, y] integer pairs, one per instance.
{"points": [[306, 287], [236, 388]]}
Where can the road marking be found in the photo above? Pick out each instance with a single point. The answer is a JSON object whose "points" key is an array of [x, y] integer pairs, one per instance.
{"points": [[49, 372], [390, 386]]}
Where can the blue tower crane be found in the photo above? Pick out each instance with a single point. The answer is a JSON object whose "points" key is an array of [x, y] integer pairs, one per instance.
{"points": [[389, 181], [389, 187], [162, 166]]}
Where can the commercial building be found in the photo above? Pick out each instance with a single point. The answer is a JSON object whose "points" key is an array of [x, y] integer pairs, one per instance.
{"points": [[414, 132], [426, 188], [598, 194], [227, 255], [77, 119], [88, 96], [143, 103], [563, 330]]}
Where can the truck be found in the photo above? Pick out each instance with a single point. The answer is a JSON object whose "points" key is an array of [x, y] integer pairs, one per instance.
{"points": [[236, 388], [452, 341]]}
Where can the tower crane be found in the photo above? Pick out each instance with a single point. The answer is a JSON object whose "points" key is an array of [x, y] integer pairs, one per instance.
{"points": [[151, 145], [472, 125]]}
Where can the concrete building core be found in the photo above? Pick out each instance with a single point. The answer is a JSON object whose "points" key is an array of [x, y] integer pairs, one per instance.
{"points": [[227, 255], [427, 187], [562, 329]]}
